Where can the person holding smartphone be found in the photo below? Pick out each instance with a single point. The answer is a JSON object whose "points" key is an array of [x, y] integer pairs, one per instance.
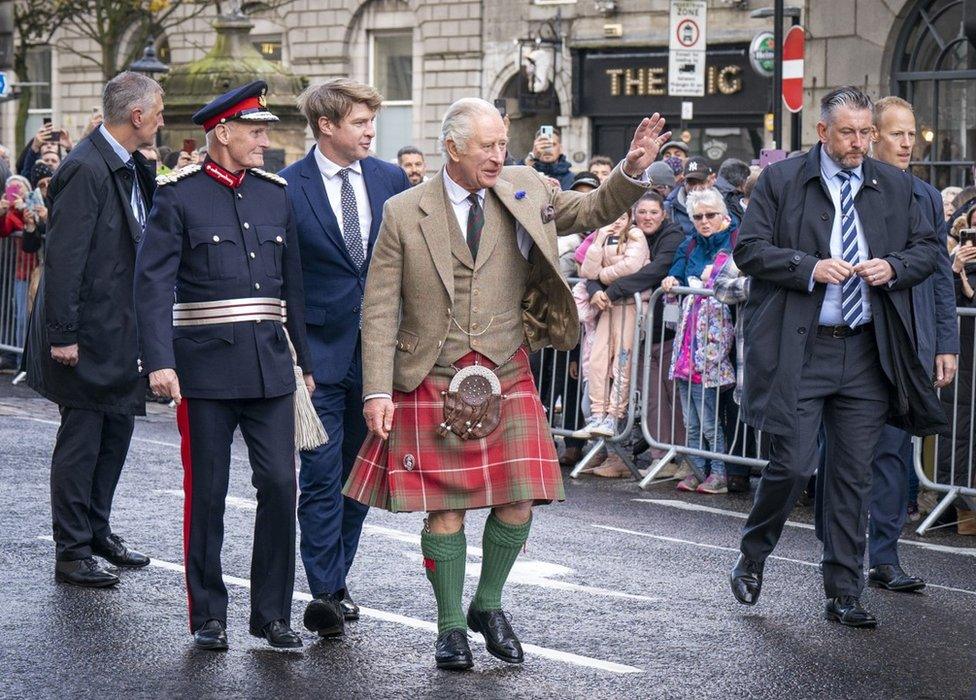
{"points": [[547, 157]]}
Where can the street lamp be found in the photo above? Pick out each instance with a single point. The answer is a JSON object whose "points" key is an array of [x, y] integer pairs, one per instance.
{"points": [[149, 65]]}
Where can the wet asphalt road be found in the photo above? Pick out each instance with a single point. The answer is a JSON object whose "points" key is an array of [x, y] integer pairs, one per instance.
{"points": [[622, 594]]}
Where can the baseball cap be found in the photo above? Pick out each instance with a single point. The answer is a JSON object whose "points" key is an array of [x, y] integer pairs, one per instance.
{"points": [[585, 179], [697, 168], [660, 174]]}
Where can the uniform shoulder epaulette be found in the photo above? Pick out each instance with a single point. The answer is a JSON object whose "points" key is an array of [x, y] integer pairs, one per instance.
{"points": [[177, 175], [270, 177]]}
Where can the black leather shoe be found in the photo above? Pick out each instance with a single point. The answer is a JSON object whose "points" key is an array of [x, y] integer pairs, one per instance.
{"points": [[279, 635], [893, 578], [212, 636], [451, 652], [848, 611], [746, 579], [324, 617], [738, 483], [500, 639], [114, 549], [350, 611], [84, 572]]}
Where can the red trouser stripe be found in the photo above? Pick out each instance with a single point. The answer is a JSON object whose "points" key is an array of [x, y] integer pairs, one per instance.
{"points": [[183, 424]]}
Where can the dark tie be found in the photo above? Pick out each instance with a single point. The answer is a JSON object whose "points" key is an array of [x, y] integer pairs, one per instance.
{"points": [[851, 297], [140, 211], [351, 233], [476, 222]]}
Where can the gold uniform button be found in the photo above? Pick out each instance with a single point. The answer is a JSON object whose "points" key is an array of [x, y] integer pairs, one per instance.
{"points": [[278, 239], [216, 239], [252, 255], [247, 225]]}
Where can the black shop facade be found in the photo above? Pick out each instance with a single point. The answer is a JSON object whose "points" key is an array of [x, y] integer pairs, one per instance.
{"points": [[615, 88]]}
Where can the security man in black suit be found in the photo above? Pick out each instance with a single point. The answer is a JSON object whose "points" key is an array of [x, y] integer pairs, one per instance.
{"points": [[222, 235], [82, 349]]}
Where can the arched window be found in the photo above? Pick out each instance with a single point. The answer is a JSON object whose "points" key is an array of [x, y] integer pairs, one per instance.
{"points": [[934, 68]]}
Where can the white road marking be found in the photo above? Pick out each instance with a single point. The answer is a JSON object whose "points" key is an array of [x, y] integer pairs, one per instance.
{"points": [[385, 616], [684, 505], [526, 572], [704, 545]]}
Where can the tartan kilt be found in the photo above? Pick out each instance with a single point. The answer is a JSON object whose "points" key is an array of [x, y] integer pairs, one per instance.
{"points": [[415, 469]]}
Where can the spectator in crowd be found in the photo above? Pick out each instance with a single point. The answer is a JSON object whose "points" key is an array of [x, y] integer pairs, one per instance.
{"points": [[50, 154], [663, 239], [963, 202], [601, 166], [955, 233], [4, 163], [184, 158], [661, 178], [747, 189], [701, 365], [618, 250], [171, 159], [697, 174], [949, 194], [151, 154], [22, 213], [732, 176], [411, 159], [547, 157], [675, 149]]}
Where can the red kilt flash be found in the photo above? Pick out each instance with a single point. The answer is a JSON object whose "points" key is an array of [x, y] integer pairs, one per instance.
{"points": [[418, 470]]}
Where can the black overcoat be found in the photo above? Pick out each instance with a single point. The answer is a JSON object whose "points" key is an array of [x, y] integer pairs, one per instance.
{"points": [[85, 295], [785, 231]]}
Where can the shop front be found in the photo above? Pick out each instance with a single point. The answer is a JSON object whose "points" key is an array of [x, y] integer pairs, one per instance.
{"points": [[616, 88]]}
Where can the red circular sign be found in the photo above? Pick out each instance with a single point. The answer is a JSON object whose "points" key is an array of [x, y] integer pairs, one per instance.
{"points": [[793, 48], [688, 32]]}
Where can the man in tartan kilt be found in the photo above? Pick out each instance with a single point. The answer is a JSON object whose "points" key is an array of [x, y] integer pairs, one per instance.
{"points": [[464, 282]]}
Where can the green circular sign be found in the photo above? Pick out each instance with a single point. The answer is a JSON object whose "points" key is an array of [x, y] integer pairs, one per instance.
{"points": [[761, 54]]}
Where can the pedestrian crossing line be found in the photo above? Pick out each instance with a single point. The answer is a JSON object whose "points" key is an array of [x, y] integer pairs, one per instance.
{"points": [[684, 505], [395, 618], [526, 572], [721, 548]]}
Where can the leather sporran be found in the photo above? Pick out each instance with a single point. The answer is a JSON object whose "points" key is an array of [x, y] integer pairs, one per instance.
{"points": [[472, 404]]}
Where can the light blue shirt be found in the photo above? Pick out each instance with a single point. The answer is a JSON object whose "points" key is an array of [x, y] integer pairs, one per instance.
{"points": [[831, 313], [125, 157]]}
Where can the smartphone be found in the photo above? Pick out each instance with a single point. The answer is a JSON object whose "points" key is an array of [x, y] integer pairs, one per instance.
{"points": [[189, 145], [502, 106], [96, 110], [967, 235], [11, 193], [546, 130], [46, 120]]}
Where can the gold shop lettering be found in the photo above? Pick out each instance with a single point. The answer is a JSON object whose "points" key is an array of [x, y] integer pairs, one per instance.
{"points": [[642, 82]]}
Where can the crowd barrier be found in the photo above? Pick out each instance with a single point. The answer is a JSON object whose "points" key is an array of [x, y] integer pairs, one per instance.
{"points": [[944, 464], [13, 321]]}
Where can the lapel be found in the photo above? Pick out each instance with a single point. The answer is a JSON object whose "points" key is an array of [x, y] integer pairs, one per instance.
{"points": [[318, 201], [527, 215], [121, 181], [870, 206], [493, 230], [371, 178], [459, 243], [433, 203]]}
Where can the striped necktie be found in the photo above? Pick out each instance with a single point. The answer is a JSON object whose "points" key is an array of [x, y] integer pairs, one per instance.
{"points": [[476, 222], [851, 295]]}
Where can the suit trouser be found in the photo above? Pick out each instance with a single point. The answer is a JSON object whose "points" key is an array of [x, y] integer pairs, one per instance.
{"points": [[207, 430], [330, 522], [88, 456], [842, 386], [889, 495]]}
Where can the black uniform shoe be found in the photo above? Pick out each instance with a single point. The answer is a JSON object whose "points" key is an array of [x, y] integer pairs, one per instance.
{"points": [[452, 652], [84, 572], [114, 549], [212, 636], [848, 611], [324, 617], [746, 580], [893, 578], [738, 483], [500, 639], [350, 611], [279, 635]]}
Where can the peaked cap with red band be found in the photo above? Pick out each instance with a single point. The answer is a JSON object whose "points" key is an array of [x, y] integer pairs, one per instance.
{"points": [[245, 103]]}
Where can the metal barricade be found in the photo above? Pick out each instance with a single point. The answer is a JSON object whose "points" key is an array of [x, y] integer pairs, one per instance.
{"points": [[952, 455], [13, 298], [662, 408], [561, 383]]}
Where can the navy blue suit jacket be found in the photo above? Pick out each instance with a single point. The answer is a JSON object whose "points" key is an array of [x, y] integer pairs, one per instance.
{"points": [[934, 300], [333, 286]]}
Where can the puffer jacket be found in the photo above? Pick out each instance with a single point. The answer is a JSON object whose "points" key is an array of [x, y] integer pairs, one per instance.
{"points": [[607, 263]]}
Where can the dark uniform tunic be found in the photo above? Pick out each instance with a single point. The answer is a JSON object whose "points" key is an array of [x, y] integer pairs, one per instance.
{"points": [[214, 236]]}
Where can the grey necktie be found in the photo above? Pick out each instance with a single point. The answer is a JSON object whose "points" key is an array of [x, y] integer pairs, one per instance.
{"points": [[351, 233], [136, 195]]}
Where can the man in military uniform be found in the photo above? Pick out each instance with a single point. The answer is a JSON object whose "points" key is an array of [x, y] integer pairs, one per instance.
{"points": [[221, 234]]}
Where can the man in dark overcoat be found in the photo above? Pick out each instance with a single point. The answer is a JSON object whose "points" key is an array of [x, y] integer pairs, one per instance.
{"points": [[83, 351], [834, 241]]}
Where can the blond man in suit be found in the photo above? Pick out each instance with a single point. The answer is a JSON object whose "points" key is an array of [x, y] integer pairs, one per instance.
{"points": [[464, 283]]}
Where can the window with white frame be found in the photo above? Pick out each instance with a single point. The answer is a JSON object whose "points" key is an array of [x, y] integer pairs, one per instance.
{"points": [[391, 72]]}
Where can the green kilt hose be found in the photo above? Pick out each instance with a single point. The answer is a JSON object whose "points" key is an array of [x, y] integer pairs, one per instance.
{"points": [[416, 469]]}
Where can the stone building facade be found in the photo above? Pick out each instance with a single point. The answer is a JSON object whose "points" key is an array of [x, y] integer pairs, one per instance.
{"points": [[610, 61]]}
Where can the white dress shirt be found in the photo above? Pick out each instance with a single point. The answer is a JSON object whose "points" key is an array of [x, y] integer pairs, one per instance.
{"points": [[333, 190], [462, 205], [125, 157], [831, 313]]}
